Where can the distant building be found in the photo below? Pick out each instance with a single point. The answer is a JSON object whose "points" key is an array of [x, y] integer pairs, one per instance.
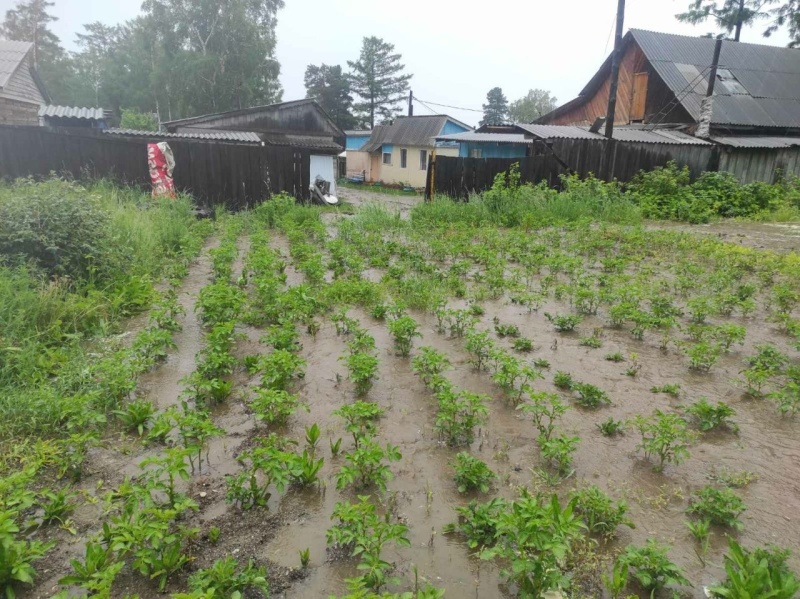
{"points": [[300, 124], [356, 139], [21, 90], [398, 153]]}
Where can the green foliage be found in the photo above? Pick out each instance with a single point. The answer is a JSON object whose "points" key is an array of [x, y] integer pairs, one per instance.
{"points": [[274, 406], [279, 368], [545, 409], [788, 396], [404, 329], [558, 451], [701, 531], [615, 357], [365, 466], [673, 389], [472, 474], [133, 118], [523, 344], [17, 554], [429, 364], [563, 380], [359, 530], [651, 566], [599, 512], [363, 369], [136, 415], [709, 416], [767, 363], [590, 396], [97, 571], [718, 506], [564, 322], [360, 417], [664, 435], [225, 579], [611, 427], [459, 413], [703, 355], [756, 573], [377, 78]]}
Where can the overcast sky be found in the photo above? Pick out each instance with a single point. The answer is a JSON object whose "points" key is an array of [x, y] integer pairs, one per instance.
{"points": [[456, 49]]}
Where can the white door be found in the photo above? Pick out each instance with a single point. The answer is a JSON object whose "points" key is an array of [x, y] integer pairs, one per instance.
{"points": [[325, 167]]}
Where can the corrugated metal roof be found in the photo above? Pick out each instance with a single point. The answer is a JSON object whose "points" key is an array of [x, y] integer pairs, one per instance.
{"points": [[558, 131], [409, 131], [237, 136], [758, 142], [300, 141], [72, 112], [359, 133], [631, 134], [11, 55], [769, 74], [501, 138]]}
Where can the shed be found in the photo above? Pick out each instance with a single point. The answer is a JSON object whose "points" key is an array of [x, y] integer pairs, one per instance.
{"points": [[21, 90], [300, 124]]}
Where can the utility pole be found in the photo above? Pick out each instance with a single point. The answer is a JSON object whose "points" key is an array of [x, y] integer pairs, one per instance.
{"points": [[410, 103], [615, 60], [707, 104]]}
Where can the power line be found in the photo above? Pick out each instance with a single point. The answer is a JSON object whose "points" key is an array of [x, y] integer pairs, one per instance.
{"points": [[448, 106]]}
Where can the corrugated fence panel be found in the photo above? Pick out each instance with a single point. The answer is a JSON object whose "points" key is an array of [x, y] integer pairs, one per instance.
{"points": [[234, 175]]}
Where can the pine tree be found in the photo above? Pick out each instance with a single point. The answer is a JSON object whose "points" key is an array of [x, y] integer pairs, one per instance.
{"points": [[377, 78], [330, 87], [495, 111], [732, 15]]}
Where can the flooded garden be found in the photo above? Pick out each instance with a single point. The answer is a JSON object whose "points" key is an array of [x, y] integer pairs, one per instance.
{"points": [[421, 405]]}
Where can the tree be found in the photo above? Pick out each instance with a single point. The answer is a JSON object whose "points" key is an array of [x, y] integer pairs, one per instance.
{"points": [[330, 87], [495, 111], [28, 22], [377, 78], [732, 15], [133, 118], [536, 103]]}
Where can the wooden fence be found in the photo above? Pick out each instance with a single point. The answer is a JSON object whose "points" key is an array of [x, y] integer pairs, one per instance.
{"points": [[458, 177], [235, 175]]}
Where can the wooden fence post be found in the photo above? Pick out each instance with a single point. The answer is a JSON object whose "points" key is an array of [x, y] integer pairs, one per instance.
{"points": [[430, 179]]}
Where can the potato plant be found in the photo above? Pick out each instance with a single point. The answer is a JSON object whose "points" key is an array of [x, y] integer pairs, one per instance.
{"points": [[665, 436], [472, 474]]}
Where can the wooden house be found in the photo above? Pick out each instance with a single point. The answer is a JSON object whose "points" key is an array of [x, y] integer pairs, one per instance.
{"points": [[21, 90]]}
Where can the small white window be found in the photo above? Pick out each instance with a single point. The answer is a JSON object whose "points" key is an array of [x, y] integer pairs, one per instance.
{"points": [[476, 153], [403, 158], [423, 160], [387, 158]]}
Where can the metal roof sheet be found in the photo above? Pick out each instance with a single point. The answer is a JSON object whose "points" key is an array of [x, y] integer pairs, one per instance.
{"points": [[770, 76], [358, 133], [11, 55], [630, 134], [237, 136], [558, 131], [300, 141], [72, 112], [758, 141], [409, 131], [501, 138]]}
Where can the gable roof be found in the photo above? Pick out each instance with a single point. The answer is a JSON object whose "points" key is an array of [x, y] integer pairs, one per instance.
{"points": [[11, 56], [757, 85], [410, 131]]}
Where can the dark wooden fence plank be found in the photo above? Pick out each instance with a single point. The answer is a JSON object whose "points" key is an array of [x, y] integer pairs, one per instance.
{"points": [[234, 175]]}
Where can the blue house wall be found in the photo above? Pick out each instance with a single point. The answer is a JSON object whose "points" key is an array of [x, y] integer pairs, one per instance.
{"points": [[451, 128], [355, 142], [492, 150]]}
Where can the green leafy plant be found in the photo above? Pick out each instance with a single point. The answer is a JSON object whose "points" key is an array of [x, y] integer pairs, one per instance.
{"points": [[365, 466], [57, 505], [709, 416], [595, 341], [701, 531], [599, 512], [479, 345], [544, 409], [17, 555], [651, 566], [524, 345], [563, 380], [718, 506], [767, 363], [404, 329], [506, 330], [359, 417], [97, 571], [756, 573], [673, 389], [274, 406], [558, 450], [136, 415], [615, 357], [564, 323], [472, 474], [363, 369], [429, 364], [225, 579], [305, 557], [703, 355], [590, 396], [665, 436], [459, 413], [279, 368], [611, 427]]}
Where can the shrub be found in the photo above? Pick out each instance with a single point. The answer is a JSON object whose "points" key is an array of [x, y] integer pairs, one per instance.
{"points": [[59, 227]]}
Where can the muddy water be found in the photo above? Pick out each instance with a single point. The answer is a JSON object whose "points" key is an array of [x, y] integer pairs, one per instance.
{"points": [[778, 237]]}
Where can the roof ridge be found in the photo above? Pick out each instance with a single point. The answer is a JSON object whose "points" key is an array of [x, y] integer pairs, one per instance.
{"points": [[703, 37]]}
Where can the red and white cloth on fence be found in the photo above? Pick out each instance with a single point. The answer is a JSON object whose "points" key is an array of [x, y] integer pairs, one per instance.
{"points": [[161, 163]]}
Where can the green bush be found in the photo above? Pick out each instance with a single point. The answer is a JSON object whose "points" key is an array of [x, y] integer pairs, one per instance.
{"points": [[56, 226]]}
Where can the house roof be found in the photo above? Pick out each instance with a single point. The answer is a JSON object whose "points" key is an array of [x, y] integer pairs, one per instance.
{"points": [[758, 85], [358, 133], [72, 112], [500, 138], [11, 56], [234, 136], [757, 142], [630, 134], [409, 131]]}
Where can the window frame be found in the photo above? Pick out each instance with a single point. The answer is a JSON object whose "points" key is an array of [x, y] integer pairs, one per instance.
{"points": [[387, 158], [423, 160], [476, 153], [403, 158]]}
